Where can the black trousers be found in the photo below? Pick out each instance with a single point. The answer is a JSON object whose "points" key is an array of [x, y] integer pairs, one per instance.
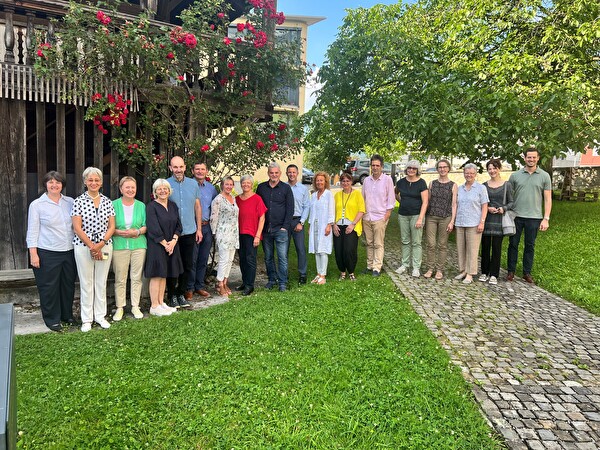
{"points": [[247, 252], [345, 246], [491, 251], [55, 281], [187, 245]]}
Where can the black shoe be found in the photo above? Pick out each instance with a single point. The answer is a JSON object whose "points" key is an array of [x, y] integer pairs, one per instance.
{"points": [[376, 273], [367, 271], [248, 290], [241, 287], [174, 303], [282, 288], [55, 327], [183, 302], [72, 323], [270, 285], [302, 279]]}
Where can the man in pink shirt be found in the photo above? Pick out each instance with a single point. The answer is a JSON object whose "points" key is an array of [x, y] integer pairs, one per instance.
{"points": [[378, 191]]}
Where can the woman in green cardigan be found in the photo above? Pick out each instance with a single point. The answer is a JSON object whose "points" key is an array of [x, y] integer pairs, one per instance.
{"points": [[129, 247]]}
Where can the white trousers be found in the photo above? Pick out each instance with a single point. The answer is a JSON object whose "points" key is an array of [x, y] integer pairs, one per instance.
{"points": [[92, 282], [322, 260], [225, 261]]}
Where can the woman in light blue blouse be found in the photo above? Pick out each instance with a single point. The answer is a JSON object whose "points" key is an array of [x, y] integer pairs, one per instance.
{"points": [[50, 243], [471, 211]]}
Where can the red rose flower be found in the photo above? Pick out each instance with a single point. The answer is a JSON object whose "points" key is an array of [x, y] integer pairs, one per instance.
{"points": [[180, 77], [170, 55], [272, 137], [281, 127], [226, 41], [260, 145], [205, 148], [221, 15], [274, 147]]}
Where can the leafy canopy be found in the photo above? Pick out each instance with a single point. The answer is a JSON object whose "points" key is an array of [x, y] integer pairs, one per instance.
{"points": [[475, 78], [206, 91]]}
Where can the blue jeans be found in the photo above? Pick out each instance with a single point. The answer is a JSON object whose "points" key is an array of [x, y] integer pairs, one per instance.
{"points": [[531, 227], [196, 281], [298, 237], [276, 240]]}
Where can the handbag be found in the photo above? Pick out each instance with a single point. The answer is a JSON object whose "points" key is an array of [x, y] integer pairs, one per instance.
{"points": [[508, 219]]}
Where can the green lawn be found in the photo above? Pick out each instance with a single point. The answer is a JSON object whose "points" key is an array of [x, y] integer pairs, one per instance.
{"points": [[345, 365], [567, 257]]}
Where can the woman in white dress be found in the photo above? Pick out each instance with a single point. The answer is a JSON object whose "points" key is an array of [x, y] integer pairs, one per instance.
{"points": [[321, 217], [224, 214]]}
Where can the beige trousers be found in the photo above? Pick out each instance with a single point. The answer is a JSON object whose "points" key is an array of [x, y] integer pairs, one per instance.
{"points": [[437, 236], [132, 262], [375, 236], [467, 246]]}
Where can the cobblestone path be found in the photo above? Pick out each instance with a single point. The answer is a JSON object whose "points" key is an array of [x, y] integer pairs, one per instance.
{"points": [[532, 358]]}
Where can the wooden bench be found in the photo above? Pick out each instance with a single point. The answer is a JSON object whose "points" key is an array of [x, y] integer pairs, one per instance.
{"points": [[579, 196]]}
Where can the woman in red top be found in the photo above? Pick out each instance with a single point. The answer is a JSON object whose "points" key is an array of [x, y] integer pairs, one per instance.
{"points": [[251, 221]]}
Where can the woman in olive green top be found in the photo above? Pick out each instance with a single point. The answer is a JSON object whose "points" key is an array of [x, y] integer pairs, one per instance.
{"points": [[129, 247]]}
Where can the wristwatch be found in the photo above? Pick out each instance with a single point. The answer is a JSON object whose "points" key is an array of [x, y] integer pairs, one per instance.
{"points": [[105, 241], [547, 218]]}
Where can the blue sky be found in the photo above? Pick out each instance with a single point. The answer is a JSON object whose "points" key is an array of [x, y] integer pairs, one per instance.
{"points": [[322, 34]]}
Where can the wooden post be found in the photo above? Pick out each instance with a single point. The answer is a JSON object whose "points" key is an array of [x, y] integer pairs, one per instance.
{"points": [[61, 140], [13, 155], [9, 35], [98, 149], [79, 148], [40, 138], [30, 40]]}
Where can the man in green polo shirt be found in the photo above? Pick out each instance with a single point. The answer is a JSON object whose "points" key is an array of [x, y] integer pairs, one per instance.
{"points": [[531, 187]]}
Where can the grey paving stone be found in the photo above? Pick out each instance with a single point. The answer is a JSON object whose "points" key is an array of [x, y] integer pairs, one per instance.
{"points": [[527, 348]]}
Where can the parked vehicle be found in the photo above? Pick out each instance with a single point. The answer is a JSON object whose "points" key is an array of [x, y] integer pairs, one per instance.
{"points": [[307, 176], [361, 169]]}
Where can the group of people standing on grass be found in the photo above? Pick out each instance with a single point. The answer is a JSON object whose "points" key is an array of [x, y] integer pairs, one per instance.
{"points": [[475, 212], [169, 239]]}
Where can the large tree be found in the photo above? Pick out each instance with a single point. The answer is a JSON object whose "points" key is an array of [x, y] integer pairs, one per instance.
{"points": [[472, 78]]}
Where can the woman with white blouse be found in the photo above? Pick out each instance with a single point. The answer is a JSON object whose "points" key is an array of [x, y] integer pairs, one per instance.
{"points": [[321, 217], [50, 243], [93, 218]]}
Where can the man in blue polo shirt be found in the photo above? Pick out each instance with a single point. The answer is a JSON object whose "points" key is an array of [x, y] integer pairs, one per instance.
{"points": [[207, 194], [531, 187], [186, 195], [301, 205], [279, 200]]}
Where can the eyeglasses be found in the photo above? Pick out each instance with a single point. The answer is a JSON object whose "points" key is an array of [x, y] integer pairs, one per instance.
{"points": [[411, 168], [443, 167]]}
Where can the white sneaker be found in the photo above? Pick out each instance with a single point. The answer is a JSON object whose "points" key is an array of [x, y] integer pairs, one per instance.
{"points": [[400, 270], [493, 280], [483, 278], [118, 314], [168, 309], [103, 323], [137, 313], [158, 311], [416, 273], [86, 327]]}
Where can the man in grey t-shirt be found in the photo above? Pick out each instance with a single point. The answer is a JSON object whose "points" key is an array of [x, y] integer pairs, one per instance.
{"points": [[532, 187]]}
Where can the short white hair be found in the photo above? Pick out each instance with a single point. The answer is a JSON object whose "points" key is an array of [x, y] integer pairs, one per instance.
{"points": [[246, 177], [161, 182], [91, 171]]}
